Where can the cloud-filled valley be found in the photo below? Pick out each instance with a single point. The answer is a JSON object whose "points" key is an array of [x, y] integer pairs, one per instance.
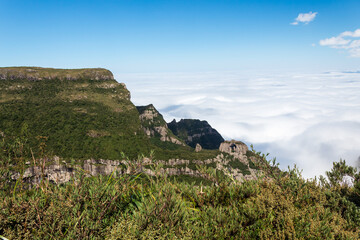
{"points": [[309, 120]]}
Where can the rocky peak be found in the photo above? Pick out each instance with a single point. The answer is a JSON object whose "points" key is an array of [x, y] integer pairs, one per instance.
{"points": [[147, 112], [154, 124], [194, 131], [38, 73]]}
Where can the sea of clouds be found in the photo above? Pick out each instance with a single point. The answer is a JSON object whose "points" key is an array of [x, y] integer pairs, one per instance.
{"points": [[309, 120]]}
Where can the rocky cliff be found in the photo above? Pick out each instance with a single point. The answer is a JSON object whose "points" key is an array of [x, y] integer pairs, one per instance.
{"points": [[154, 125], [232, 159], [84, 116], [194, 132]]}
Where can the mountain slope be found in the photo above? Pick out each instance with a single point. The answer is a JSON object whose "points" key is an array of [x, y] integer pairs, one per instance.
{"points": [[84, 113], [85, 117], [194, 131], [155, 126]]}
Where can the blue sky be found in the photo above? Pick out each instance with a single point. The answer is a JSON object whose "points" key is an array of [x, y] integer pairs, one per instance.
{"points": [[175, 36]]}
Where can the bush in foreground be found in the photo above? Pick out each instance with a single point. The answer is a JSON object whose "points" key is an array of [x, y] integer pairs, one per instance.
{"points": [[281, 205]]}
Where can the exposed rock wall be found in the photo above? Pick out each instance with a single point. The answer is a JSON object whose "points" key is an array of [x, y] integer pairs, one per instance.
{"points": [[233, 147], [155, 126], [62, 172], [194, 131]]}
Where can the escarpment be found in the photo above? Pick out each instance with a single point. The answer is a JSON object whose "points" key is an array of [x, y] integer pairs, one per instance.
{"points": [[83, 113], [86, 119], [38, 73]]}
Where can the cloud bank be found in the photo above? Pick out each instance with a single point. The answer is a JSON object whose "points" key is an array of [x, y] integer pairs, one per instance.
{"points": [[349, 41], [306, 119], [304, 18]]}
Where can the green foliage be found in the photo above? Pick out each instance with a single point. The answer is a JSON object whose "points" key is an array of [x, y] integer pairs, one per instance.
{"points": [[40, 119], [136, 206], [80, 209], [192, 180], [344, 181], [252, 165], [182, 152], [339, 172], [38, 73], [198, 131], [157, 119], [68, 112], [241, 166]]}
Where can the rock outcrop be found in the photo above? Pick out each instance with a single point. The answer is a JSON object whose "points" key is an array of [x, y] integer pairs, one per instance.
{"points": [[233, 147], [194, 131], [198, 148], [232, 163], [154, 125]]}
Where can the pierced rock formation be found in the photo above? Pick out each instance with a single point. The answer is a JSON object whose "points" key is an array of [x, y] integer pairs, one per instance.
{"points": [[198, 148], [233, 147]]}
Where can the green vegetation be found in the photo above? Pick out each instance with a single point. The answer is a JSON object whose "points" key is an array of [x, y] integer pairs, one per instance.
{"points": [[136, 206], [156, 120], [92, 118], [193, 131], [252, 165], [153, 121], [183, 153], [38, 73], [82, 118], [241, 166]]}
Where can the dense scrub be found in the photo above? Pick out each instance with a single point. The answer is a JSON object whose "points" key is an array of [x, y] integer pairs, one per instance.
{"points": [[279, 205], [82, 118]]}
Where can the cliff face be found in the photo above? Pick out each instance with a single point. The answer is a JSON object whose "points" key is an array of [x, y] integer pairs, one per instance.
{"points": [[37, 73], [154, 125], [84, 116], [194, 131]]}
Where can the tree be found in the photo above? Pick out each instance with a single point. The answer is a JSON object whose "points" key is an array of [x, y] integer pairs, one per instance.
{"points": [[342, 174]]}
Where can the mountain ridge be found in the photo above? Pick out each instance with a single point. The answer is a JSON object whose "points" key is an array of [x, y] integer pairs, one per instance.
{"points": [[39, 73], [195, 131], [92, 118]]}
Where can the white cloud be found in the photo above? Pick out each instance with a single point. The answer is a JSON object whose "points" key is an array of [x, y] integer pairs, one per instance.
{"points": [[334, 41], [356, 33], [347, 40], [308, 120], [304, 18]]}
